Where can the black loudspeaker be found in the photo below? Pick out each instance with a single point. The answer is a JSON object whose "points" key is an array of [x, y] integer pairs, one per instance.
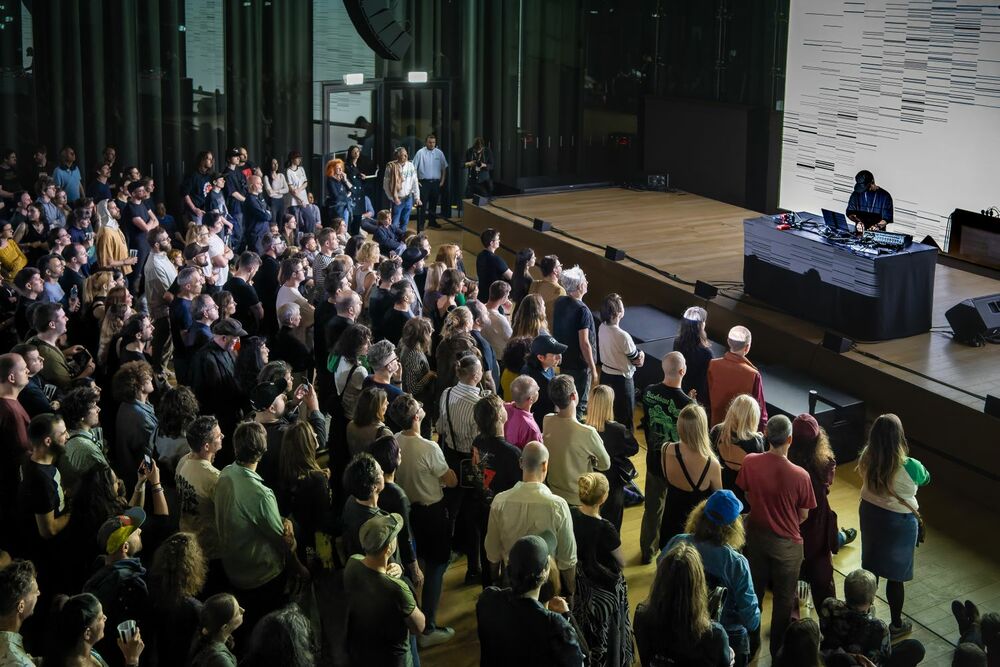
{"points": [[705, 290], [480, 200], [973, 319], [992, 407], [542, 225], [614, 254], [835, 343], [375, 23]]}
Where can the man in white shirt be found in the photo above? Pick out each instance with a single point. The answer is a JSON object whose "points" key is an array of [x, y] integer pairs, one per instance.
{"points": [[529, 509], [432, 171], [575, 448], [219, 254]]}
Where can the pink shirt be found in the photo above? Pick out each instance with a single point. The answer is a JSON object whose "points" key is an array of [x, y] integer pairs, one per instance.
{"points": [[521, 428], [776, 490]]}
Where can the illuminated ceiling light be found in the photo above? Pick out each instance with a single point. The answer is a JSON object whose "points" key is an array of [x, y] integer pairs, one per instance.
{"points": [[354, 79], [416, 77]]}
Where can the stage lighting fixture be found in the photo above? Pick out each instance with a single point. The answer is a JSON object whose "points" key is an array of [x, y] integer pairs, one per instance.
{"points": [[614, 254], [355, 79], [416, 77], [705, 290], [836, 343], [542, 225]]}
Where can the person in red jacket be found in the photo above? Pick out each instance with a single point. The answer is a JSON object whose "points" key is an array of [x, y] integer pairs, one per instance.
{"points": [[731, 375]]}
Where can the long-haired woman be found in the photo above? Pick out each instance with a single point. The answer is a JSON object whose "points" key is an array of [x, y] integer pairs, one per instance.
{"points": [[529, 318], [715, 529], [366, 261], [736, 437], [418, 378], [513, 359], [620, 443], [601, 601], [673, 625], [692, 342], [303, 489], [889, 511], [690, 468], [800, 647], [368, 424], [521, 281], [456, 342], [212, 645], [177, 575]]}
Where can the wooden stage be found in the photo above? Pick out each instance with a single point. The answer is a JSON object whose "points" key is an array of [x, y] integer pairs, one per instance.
{"points": [[695, 238]]}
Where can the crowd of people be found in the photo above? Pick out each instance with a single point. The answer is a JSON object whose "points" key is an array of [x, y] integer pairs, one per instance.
{"points": [[203, 415]]}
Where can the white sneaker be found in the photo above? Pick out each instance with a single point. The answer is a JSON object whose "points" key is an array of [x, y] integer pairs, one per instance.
{"points": [[435, 637]]}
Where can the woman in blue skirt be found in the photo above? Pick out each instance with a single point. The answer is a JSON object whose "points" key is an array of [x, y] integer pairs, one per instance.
{"points": [[889, 511]]}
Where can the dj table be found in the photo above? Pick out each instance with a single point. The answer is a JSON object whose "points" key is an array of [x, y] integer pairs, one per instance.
{"points": [[865, 293]]}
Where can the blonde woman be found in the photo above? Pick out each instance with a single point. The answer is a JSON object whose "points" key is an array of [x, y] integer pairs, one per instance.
{"points": [[690, 468], [112, 250], [529, 318], [456, 342], [620, 444], [715, 529], [450, 254], [736, 437], [366, 260], [889, 511], [600, 605]]}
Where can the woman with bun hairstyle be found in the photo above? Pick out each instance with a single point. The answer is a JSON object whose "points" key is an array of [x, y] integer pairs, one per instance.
{"points": [[601, 602]]}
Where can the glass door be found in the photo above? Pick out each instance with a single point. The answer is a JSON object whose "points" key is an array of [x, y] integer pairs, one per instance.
{"points": [[411, 112], [351, 117]]}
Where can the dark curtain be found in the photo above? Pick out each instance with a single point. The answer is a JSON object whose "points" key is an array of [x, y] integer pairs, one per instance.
{"points": [[114, 72]]}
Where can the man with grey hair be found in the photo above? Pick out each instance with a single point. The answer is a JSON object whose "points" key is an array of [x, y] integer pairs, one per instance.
{"points": [[573, 326], [851, 625], [386, 371], [204, 311], [529, 509], [732, 374], [780, 495], [521, 427], [189, 283], [575, 448]]}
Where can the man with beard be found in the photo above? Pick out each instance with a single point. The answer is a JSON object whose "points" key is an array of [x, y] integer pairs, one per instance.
{"points": [[160, 274]]}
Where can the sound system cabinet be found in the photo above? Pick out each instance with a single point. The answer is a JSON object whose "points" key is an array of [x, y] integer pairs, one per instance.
{"points": [[974, 319], [791, 393]]}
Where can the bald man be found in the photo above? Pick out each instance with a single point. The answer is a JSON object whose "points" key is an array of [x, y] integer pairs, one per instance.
{"points": [[528, 509], [731, 375], [661, 403]]}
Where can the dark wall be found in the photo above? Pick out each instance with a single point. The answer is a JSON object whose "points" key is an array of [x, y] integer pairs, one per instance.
{"points": [[116, 72]]}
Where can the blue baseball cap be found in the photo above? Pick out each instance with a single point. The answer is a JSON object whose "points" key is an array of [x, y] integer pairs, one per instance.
{"points": [[723, 507]]}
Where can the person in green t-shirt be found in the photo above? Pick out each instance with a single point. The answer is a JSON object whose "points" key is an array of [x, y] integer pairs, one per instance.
{"points": [[381, 610]]}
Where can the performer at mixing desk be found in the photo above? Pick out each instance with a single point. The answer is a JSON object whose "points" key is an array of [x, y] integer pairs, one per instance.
{"points": [[870, 207]]}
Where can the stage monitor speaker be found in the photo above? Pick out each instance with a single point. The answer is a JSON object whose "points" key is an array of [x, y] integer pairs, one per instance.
{"points": [[973, 319], [542, 225], [376, 25], [992, 407], [705, 290], [480, 200], [835, 343], [614, 254]]}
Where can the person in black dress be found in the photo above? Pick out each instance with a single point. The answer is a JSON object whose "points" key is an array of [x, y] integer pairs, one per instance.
{"points": [[692, 342]]}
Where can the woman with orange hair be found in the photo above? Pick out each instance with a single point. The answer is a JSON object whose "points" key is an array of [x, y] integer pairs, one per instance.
{"points": [[338, 201]]}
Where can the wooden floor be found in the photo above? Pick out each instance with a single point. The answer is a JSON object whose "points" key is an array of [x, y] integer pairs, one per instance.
{"points": [[958, 561], [701, 239]]}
